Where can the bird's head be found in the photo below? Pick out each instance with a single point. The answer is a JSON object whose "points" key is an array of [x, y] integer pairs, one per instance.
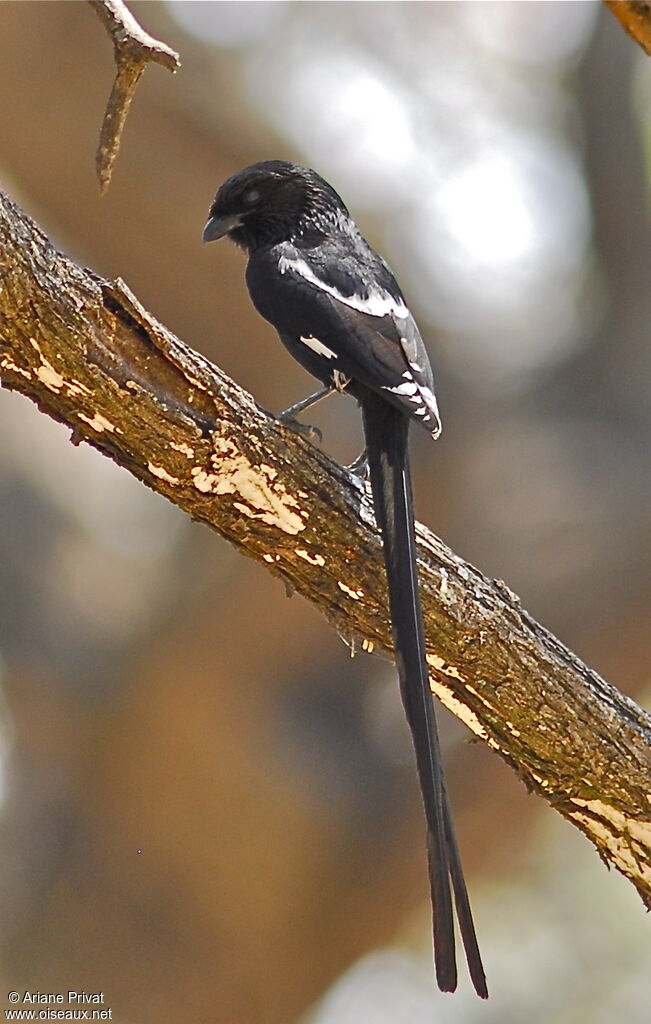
{"points": [[271, 202]]}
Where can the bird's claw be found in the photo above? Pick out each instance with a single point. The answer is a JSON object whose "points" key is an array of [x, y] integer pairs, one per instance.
{"points": [[360, 468], [304, 429]]}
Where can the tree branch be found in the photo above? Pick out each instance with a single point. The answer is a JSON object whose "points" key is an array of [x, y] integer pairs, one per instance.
{"points": [[635, 16], [133, 49], [90, 356]]}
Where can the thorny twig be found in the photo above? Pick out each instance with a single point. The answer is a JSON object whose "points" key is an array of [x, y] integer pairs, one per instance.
{"points": [[133, 49]]}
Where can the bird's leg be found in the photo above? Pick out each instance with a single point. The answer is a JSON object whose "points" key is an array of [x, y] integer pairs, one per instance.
{"points": [[288, 416], [359, 467]]}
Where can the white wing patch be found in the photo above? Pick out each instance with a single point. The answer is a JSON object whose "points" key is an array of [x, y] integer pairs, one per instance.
{"points": [[409, 388], [318, 347], [377, 303], [422, 397], [429, 398]]}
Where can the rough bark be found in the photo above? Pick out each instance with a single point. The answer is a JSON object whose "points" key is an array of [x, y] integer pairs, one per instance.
{"points": [[90, 356]]}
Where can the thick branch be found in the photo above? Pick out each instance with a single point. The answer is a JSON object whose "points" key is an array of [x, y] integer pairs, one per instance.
{"points": [[133, 49], [90, 356]]}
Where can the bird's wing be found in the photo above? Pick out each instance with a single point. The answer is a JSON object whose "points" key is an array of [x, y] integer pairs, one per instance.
{"points": [[390, 358], [362, 330]]}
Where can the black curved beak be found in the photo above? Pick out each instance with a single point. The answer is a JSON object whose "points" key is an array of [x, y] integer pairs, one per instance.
{"points": [[217, 227]]}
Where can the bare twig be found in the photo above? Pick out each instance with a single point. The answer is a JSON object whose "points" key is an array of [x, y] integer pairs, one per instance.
{"points": [[89, 355], [635, 16], [133, 49]]}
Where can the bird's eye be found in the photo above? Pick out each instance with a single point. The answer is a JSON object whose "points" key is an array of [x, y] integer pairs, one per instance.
{"points": [[251, 196]]}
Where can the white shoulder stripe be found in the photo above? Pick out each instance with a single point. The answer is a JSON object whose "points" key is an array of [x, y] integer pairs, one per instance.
{"points": [[378, 303]]}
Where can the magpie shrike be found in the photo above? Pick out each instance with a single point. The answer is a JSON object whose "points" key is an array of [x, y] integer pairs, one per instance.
{"points": [[340, 312]]}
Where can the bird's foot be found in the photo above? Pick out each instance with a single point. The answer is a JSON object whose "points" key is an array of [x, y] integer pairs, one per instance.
{"points": [[288, 417], [304, 429], [360, 468]]}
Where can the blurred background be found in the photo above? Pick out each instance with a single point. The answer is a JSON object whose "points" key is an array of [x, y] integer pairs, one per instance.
{"points": [[207, 809]]}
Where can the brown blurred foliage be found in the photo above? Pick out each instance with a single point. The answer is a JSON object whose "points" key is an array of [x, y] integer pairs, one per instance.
{"points": [[202, 818]]}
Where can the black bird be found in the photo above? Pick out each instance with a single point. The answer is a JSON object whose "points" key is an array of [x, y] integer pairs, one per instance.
{"points": [[340, 312]]}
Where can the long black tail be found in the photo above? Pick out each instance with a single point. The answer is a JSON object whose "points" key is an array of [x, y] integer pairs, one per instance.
{"points": [[386, 429]]}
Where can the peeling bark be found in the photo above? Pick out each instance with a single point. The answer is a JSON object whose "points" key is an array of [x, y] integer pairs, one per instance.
{"points": [[88, 354]]}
